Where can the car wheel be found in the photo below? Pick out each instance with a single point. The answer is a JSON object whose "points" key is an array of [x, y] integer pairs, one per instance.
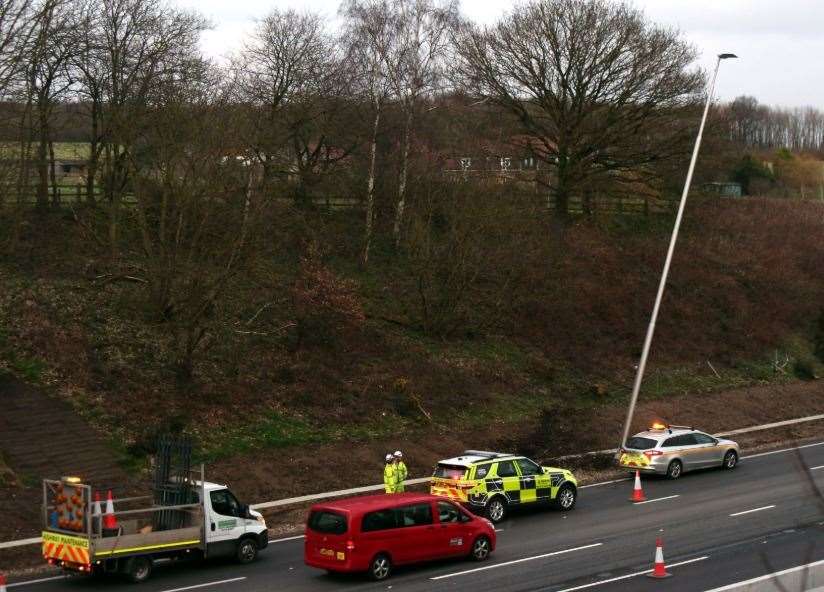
{"points": [[380, 568], [566, 497], [496, 510], [139, 569], [246, 551], [480, 549], [730, 460], [675, 469]]}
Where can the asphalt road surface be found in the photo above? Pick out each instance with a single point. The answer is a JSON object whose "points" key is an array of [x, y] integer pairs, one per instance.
{"points": [[718, 527]]}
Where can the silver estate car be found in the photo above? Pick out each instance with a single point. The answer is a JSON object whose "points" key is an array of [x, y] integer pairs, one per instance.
{"points": [[672, 450]]}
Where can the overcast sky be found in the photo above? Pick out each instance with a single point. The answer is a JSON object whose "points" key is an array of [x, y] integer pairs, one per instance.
{"points": [[780, 43]]}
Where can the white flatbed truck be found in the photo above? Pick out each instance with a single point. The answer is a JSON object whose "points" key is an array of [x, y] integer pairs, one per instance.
{"points": [[212, 524]]}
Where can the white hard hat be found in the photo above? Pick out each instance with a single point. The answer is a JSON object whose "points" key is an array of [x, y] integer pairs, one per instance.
{"points": [[398, 454], [388, 457]]}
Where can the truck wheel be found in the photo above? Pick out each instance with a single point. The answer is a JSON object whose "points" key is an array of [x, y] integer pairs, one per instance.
{"points": [[246, 551], [496, 510], [139, 569]]}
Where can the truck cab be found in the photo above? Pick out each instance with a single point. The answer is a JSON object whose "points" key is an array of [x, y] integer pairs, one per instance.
{"points": [[228, 523]]}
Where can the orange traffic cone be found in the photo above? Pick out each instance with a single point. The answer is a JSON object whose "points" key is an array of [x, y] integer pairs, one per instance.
{"points": [[2, 583], [660, 570], [637, 492], [109, 521]]}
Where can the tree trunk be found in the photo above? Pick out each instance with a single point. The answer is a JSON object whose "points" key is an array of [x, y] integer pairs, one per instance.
{"points": [[562, 188], [42, 162], [91, 169], [404, 172], [370, 188], [55, 194]]}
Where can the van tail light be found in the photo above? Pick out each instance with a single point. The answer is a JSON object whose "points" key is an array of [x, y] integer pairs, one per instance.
{"points": [[350, 545], [651, 453]]}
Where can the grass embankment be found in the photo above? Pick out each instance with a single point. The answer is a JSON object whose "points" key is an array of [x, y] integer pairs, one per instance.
{"points": [[558, 337]]}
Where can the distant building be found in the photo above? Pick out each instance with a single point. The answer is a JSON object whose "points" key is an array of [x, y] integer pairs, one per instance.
{"points": [[724, 189]]}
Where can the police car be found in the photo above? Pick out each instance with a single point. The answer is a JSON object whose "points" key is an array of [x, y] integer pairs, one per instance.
{"points": [[672, 450], [492, 483]]}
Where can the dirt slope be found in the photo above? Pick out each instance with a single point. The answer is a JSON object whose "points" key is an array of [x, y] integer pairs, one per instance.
{"points": [[41, 436]]}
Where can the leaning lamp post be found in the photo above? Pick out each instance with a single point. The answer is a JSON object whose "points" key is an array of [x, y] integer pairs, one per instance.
{"points": [[642, 364]]}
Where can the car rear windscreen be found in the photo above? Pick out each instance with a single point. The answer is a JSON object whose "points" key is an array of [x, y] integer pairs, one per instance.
{"points": [[639, 443], [450, 471], [327, 522]]}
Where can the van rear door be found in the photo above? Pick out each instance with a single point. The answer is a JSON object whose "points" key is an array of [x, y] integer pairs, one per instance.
{"points": [[326, 536]]}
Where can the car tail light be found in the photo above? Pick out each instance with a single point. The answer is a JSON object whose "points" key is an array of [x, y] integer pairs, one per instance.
{"points": [[350, 545], [651, 453]]}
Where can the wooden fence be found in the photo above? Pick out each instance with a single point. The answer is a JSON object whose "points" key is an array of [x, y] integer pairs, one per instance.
{"points": [[599, 205]]}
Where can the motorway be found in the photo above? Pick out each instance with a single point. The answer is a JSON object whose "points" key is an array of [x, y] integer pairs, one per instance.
{"points": [[718, 528]]}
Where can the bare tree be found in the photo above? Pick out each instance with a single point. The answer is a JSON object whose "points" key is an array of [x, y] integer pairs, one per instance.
{"points": [[423, 28], [49, 81], [198, 209], [143, 43], [596, 86], [285, 61], [89, 65], [370, 33]]}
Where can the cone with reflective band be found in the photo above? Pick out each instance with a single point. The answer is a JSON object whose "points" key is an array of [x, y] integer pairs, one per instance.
{"points": [[660, 570], [109, 521], [2, 583], [637, 492], [96, 508]]}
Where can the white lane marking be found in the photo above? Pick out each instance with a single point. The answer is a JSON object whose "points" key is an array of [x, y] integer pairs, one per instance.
{"points": [[783, 450], [816, 468], [657, 499], [753, 510], [40, 581], [777, 574], [513, 562], [217, 583], [605, 483], [292, 538], [632, 575], [499, 530]]}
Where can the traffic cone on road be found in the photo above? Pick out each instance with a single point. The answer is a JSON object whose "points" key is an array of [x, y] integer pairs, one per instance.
{"points": [[109, 521], [637, 492], [2, 583], [660, 570]]}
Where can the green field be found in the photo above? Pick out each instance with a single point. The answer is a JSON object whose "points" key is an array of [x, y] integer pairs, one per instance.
{"points": [[62, 150]]}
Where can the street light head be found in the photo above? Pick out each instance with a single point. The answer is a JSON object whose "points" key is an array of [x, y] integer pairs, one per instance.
{"points": [[727, 56]]}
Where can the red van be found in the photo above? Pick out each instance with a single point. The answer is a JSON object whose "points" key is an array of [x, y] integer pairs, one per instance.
{"points": [[374, 533]]}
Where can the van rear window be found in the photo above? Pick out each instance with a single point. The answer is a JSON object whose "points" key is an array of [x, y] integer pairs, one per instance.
{"points": [[327, 522], [450, 471], [639, 443]]}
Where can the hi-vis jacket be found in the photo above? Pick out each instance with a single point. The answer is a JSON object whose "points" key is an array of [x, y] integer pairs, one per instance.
{"points": [[390, 478], [400, 476]]}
